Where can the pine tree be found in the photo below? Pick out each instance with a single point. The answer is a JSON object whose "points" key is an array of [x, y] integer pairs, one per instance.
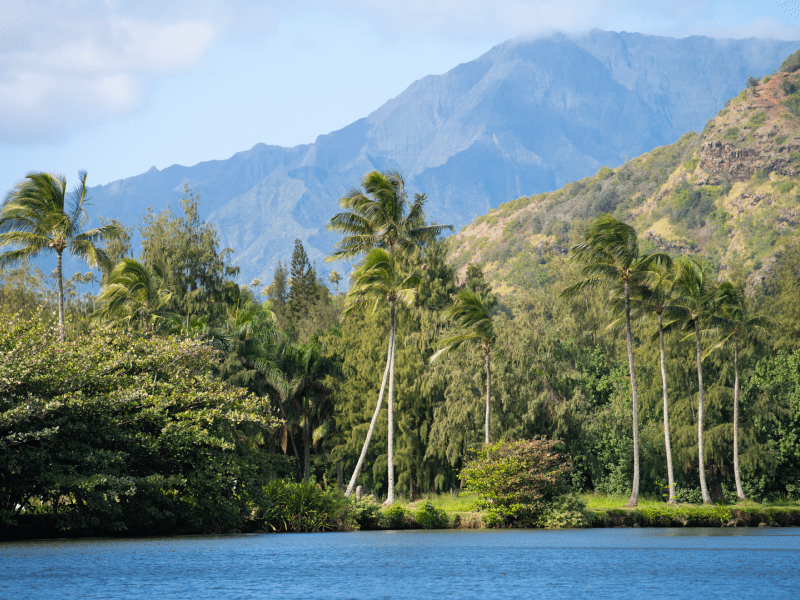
{"points": [[303, 287]]}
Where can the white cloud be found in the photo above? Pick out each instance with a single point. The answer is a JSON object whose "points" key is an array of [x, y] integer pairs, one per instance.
{"points": [[70, 65]]}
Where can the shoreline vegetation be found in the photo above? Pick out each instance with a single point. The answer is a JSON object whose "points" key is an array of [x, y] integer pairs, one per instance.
{"points": [[306, 508]]}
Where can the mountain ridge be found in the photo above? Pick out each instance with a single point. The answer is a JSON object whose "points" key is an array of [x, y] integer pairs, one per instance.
{"points": [[526, 115]]}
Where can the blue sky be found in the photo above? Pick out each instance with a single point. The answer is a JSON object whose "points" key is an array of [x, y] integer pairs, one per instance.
{"points": [[118, 86]]}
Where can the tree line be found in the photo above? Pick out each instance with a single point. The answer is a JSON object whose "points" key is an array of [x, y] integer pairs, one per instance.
{"points": [[458, 365]]}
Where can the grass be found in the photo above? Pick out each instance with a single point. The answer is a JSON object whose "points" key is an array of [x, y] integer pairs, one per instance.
{"points": [[447, 502], [607, 501]]}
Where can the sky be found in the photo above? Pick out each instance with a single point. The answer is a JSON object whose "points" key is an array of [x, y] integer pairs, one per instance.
{"points": [[114, 87]]}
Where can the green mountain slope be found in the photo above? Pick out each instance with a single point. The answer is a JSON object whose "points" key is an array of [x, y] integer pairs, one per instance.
{"points": [[730, 194]]}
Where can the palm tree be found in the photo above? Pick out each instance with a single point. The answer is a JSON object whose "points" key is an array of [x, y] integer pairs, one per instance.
{"points": [[655, 296], [377, 279], [334, 278], [475, 325], [135, 296], [611, 252], [734, 316], [694, 294], [39, 214], [378, 215]]}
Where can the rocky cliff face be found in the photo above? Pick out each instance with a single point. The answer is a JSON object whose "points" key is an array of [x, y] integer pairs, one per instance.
{"points": [[528, 116]]}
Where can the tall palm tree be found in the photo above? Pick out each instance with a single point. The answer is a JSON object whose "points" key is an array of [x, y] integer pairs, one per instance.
{"points": [[611, 252], [694, 294], [378, 278], [475, 325], [734, 316], [655, 297], [39, 214], [378, 215], [135, 296]]}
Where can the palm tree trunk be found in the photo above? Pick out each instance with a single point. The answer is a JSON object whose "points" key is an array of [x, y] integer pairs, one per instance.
{"points": [[61, 334], [701, 460], [634, 499], [371, 429], [667, 443], [306, 447], [736, 475], [488, 390], [390, 407]]}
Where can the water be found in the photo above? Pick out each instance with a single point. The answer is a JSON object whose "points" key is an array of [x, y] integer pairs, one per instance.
{"points": [[593, 563]]}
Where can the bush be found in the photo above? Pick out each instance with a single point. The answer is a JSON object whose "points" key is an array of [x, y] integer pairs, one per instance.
{"points": [[791, 64], [429, 517], [289, 506], [396, 517], [517, 480], [566, 512], [363, 513]]}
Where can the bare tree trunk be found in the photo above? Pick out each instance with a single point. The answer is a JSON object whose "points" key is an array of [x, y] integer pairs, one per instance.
{"points": [[667, 443], [488, 390], [61, 334], [365, 447], [390, 407], [634, 499], [339, 477], [306, 447], [701, 460], [736, 475]]}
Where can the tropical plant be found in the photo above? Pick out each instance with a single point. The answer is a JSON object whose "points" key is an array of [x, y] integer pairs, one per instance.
{"points": [[474, 322], [694, 294], [135, 296], [379, 216], [39, 214], [655, 297], [377, 279], [734, 315], [611, 252]]}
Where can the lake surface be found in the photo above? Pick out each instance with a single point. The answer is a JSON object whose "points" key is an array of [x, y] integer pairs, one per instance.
{"points": [[591, 563]]}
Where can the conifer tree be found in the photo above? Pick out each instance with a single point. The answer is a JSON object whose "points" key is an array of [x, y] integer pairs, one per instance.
{"points": [[303, 290]]}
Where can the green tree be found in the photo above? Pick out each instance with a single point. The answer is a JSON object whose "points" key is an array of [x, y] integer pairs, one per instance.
{"points": [[303, 288], [376, 279], [611, 251], [198, 273], [734, 315], [39, 214], [474, 324], [135, 296], [694, 292]]}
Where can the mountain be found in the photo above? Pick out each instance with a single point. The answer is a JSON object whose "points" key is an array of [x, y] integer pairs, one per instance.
{"points": [[729, 194], [527, 116]]}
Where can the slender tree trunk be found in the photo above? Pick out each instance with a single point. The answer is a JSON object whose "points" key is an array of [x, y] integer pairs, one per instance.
{"points": [[306, 447], [736, 475], [339, 477], [61, 334], [667, 443], [488, 390], [634, 499], [390, 406], [365, 447], [701, 460]]}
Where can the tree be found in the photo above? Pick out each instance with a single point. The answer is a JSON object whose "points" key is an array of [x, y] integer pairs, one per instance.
{"points": [[136, 297], [380, 217], [655, 296], [377, 279], [694, 293], [303, 292], [734, 315], [198, 273], [611, 251], [39, 214], [474, 323], [334, 278]]}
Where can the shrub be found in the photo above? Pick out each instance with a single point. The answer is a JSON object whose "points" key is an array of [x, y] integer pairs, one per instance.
{"points": [[517, 480], [396, 517], [566, 512], [732, 133], [363, 513], [289, 506], [429, 517], [791, 64]]}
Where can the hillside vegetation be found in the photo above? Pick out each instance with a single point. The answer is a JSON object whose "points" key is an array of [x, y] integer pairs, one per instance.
{"points": [[729, 194]]}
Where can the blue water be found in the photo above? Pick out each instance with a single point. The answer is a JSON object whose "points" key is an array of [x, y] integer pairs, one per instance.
{"points": [[593, 563]]}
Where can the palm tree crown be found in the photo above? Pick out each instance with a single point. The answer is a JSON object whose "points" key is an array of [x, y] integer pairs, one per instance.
{"points": [[380, 216], [39, 214], [474, 322]]}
